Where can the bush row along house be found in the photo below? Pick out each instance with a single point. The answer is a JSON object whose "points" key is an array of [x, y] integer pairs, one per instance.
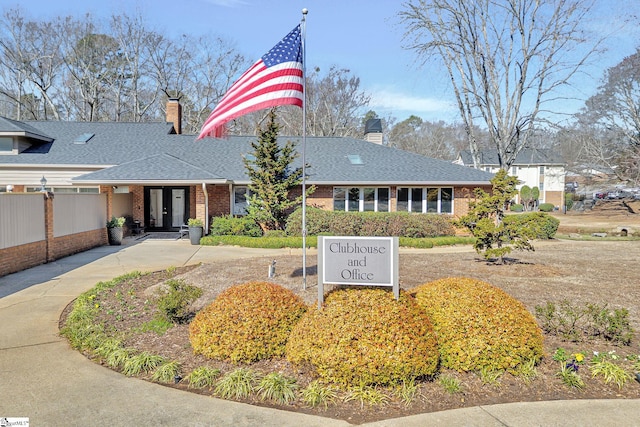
{"points": [[540, 168], [153, 174]]}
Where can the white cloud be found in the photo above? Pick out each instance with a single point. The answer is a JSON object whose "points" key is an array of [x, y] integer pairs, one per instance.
{"points": [[396, 102]]}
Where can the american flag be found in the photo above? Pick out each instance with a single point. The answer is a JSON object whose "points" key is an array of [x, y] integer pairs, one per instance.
{"points": [[275, 79]]}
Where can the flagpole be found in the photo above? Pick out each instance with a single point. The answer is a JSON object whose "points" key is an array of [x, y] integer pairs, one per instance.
{"points": [[304, 146]]}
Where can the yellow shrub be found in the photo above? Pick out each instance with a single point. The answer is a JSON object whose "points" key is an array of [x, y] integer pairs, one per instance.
{"points": [[246, 323], [479, 326], [364, 336]]}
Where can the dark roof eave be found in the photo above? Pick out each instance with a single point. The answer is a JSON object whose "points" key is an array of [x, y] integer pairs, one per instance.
{"points": [[149, 181], [400, 183]]}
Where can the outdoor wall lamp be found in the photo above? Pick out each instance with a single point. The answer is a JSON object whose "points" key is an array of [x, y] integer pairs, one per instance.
{"points": [[43, 182]]}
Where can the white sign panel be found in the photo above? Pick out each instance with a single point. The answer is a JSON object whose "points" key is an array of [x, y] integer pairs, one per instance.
{"points": [[364, 261]]}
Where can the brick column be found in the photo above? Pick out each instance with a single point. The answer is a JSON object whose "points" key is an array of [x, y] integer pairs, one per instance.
{"points": [[48, 225], [200, 204]]}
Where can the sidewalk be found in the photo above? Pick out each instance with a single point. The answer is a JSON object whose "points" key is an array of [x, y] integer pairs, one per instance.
{"points": [[51, 384]]}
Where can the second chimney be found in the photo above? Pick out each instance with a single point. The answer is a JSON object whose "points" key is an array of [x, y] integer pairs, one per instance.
{"points": [[373, 131]]}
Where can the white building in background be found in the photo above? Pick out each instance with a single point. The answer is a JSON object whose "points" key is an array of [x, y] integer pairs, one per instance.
{"points": [[533, 167]]}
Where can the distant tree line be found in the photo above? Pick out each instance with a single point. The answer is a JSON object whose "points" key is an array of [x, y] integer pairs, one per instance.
{"points": [[120, 69]]}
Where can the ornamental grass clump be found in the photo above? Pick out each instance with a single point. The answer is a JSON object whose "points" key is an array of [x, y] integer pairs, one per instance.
{"points": [[364, 337], [479, 327], [246, 323]]}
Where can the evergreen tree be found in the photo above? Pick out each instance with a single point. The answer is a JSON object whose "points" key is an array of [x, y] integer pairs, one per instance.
{"points": [[272, 178], [525, 196], [485, 220]]}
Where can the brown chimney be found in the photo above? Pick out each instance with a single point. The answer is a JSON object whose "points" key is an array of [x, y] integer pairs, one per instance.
{"points": [[174, 114]]}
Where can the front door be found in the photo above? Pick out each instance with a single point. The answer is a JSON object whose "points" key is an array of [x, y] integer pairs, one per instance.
{"points": [[166, 208]]}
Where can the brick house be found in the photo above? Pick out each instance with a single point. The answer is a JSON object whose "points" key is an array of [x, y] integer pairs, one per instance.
{"points": [[153, 174]]}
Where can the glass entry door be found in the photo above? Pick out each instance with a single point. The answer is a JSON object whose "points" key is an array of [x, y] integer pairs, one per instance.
{"points": [[177, 207], [166, 208]]}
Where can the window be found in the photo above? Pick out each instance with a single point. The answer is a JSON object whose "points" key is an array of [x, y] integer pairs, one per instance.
{"points": [[383, 200], [446, 200], [402, 200], [6, 144], [409, 200], [356, 199], [369, 199], [433, 196], [416, 200], [66, 190], [421, 200], [541, 170], [339, 199], [241, 196]]}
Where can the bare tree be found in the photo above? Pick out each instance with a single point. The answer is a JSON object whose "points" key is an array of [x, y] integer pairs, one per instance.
{"points": [[81, 69], [613, 117], [505, 58], [30, 64], [333, 102]]}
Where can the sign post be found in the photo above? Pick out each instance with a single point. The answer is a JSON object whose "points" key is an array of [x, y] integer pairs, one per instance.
{"points": [[360, 261]]}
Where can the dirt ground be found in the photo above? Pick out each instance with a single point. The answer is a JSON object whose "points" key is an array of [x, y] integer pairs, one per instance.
{"points": [[579, 270]]}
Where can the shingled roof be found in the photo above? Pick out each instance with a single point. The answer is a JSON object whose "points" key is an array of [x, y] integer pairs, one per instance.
{"points": [[152, 152], [526, 157]]}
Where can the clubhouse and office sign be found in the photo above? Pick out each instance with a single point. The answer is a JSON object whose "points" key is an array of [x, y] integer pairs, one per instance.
{"points": [[362, 261]]}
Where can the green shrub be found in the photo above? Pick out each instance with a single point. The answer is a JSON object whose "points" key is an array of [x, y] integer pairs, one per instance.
{"points": [[546, 207], [316, 394], [142, 363], [516, 207], [450, 384], [540, 225], [194, 222], [234, 226], [203, 376], [609, 370], [338, 223], [575, 322], [364, 336], [568, 200], [175, 301], [238, 384], [167, 372], [366, 394], [246, 323], [277, 388], [479, 326]]}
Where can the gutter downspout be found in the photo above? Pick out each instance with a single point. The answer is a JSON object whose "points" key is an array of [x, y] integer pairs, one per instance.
{"points": [[206, 209]]}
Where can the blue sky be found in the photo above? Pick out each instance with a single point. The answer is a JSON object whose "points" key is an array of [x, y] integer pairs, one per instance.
{"points": [[359, 35]]}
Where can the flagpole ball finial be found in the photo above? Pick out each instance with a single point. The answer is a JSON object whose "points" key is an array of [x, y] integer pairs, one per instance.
{"points": [[305, 11]]}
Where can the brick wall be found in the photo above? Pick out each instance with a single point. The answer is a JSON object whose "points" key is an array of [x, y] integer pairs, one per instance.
{"points": [[21, 257], [71, 244], [219, 200], [323, 198], [17, 258]]}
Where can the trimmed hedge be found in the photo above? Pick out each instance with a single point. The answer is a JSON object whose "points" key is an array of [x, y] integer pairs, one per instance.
{"points": [[543, 225], [479, 326], [546, 207], [246, 323], [229, 225], [363, 336], [403, 224]]}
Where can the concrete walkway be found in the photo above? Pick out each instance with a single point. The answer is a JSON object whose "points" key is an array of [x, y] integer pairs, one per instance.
{"points": [[43, 379]]}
